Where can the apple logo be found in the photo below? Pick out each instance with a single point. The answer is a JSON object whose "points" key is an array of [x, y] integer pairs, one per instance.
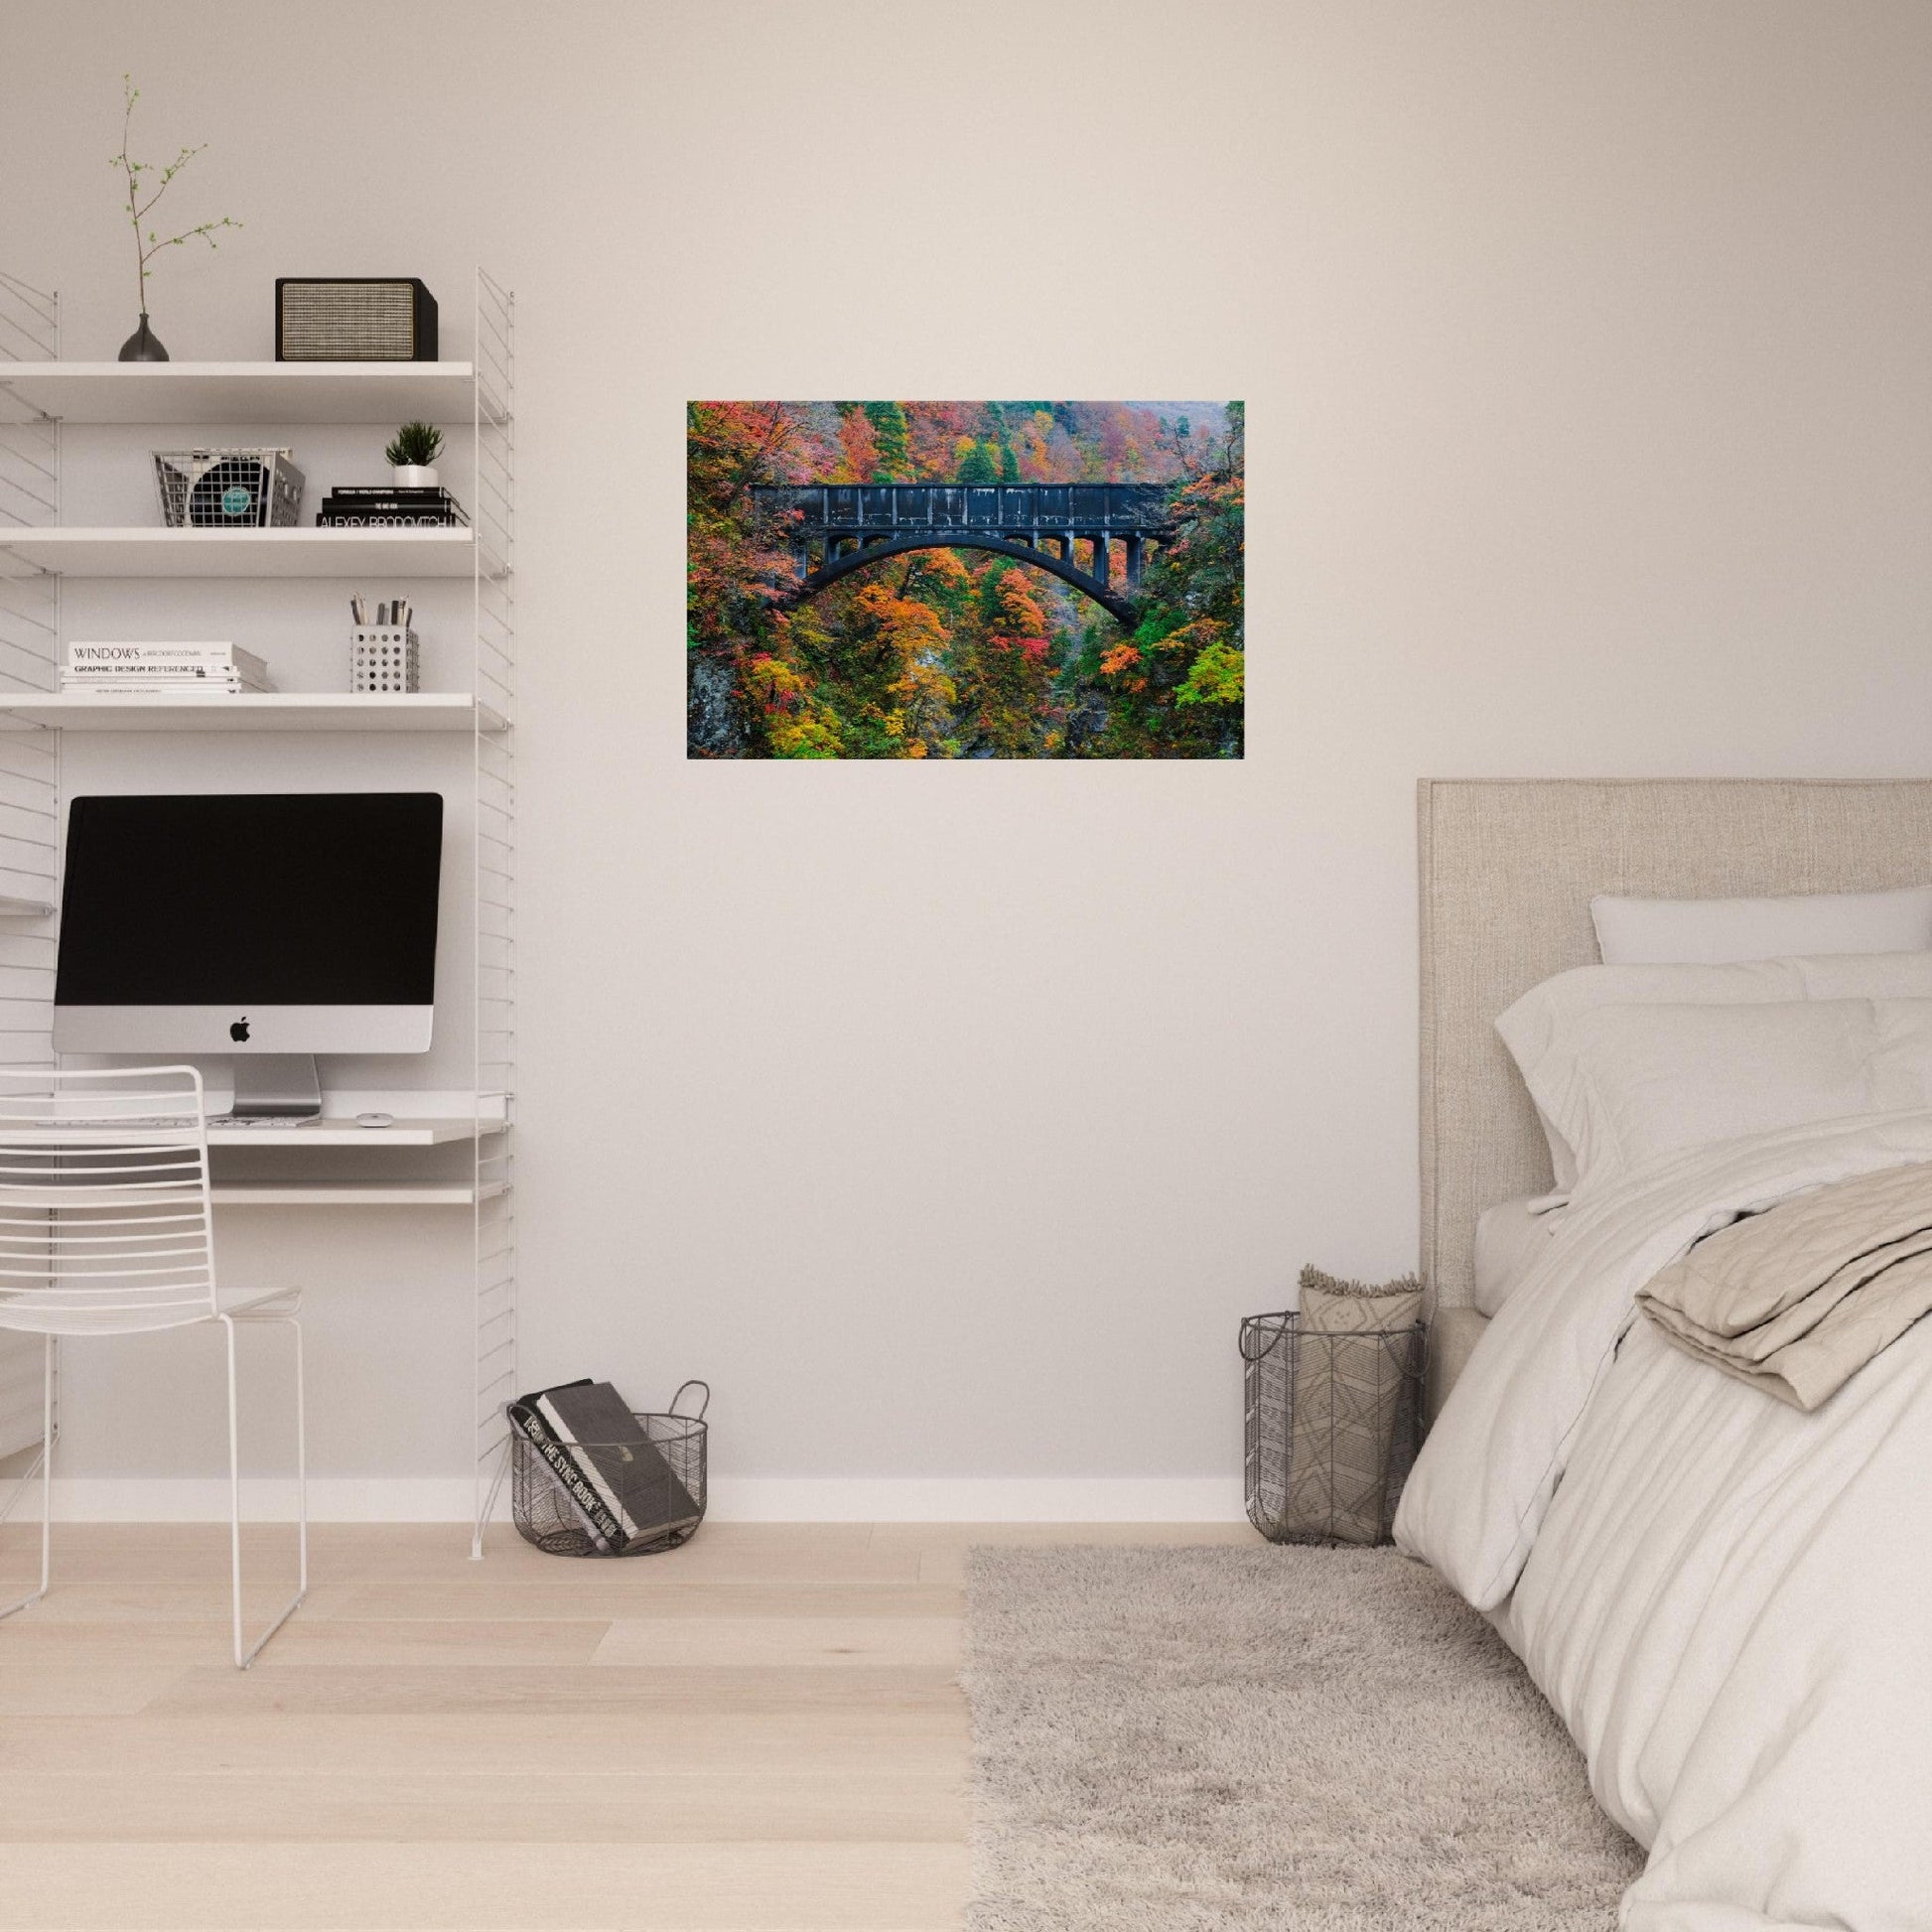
{"points": [[239, 1030]]}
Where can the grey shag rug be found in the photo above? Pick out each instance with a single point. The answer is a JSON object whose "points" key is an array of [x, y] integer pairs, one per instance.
{"points": [[1226, 1739]]}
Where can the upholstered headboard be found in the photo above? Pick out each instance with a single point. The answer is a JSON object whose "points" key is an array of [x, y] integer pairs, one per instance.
{"points": [[1507, 870]]}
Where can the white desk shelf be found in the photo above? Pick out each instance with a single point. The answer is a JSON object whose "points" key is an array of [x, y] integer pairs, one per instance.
{"points": [[242, 392], [272, 711], [429, 1130], [137, 550], [437, 1132], [41, 559], [351, 1193]]}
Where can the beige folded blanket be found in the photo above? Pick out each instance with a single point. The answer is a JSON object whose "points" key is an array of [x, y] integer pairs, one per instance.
{"points": [[1798, 1298]]}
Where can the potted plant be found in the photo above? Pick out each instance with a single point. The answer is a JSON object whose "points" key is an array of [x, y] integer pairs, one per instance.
{"points": [[411, 456], [144, 345]]}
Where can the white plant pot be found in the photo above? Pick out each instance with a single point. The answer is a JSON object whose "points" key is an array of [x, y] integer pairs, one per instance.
{"points": [[413, 475]]}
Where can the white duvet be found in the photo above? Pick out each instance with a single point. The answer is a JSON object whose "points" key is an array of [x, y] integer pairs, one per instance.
{"points": [[1729, 1602]]}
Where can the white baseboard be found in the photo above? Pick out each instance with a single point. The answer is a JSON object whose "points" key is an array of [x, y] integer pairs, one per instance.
{"points": [[733, 1499], [199, 1499], [978, 1499]]}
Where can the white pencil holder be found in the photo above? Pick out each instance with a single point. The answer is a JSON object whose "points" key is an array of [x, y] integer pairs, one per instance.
{"points": [[383, 659]]}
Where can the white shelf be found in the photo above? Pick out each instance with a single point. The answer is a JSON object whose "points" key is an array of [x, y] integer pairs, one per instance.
{"points": [[24, 908], [330, 1131], [271, 711], [349, 1194], [141, 551], [242, 392], [333, 1132]]}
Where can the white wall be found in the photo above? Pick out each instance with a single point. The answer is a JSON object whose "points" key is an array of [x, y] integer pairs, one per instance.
{"points": [[947, 1117]]}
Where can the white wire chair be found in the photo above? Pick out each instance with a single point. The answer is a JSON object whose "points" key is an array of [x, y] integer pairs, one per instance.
{"points": [[106, 1229]]}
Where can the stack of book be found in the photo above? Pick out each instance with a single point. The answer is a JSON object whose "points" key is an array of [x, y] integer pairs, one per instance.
{"points": [[617, 1482], [124, 668], [380, 507]]}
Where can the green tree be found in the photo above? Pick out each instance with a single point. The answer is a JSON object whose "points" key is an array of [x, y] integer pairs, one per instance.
{"points": [[980, 465], [999, 444], [894, 439]]}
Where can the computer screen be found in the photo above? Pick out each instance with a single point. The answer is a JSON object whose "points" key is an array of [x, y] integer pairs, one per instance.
{"points": [[249, 922]]}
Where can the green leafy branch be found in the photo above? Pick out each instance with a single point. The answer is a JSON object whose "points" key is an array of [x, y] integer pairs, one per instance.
{"points": [[147, 243], [415, 444]]}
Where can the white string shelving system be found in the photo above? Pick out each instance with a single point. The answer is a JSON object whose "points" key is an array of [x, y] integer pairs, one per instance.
{"points": [[37, 390]]}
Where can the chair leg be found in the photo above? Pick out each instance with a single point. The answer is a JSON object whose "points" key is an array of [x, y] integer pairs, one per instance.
{"points": [[246, 1653], [47, 1483]]}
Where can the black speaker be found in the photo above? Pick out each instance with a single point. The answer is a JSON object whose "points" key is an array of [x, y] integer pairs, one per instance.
{"points": [[354, 318]]}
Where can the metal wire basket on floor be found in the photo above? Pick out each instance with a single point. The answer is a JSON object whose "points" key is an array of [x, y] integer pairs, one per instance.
{"points": [[1333, 1423], [631, 1485]]}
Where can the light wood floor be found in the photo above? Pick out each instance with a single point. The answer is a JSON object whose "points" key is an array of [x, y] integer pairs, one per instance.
{"points": [[759, 1732]]}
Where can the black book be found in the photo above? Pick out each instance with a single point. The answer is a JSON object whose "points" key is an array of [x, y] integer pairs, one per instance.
{"points": [[368, 517], [364, 499], [441, 512], [392, 499], [386, 505], [528, 1420], [594, 1427], [395, 492]]}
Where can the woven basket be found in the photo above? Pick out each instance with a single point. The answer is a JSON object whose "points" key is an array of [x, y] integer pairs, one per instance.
{"points": [[1332, 1425]]}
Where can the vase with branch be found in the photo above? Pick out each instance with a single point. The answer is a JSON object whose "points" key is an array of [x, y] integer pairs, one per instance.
{"points": [[142, 194]]}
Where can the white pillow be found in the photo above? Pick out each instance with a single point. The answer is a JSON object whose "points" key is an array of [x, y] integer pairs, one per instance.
{"points": [[1640, 1081], [1531, 1027], [1511, 1238], [1710, 932]]}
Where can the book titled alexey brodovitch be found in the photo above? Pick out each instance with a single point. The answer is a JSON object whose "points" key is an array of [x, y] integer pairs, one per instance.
{"points": [[615, 1476], [385, 507]]}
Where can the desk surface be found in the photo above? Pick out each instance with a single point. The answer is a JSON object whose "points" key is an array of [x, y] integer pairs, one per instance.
{"points": [[354, 1194], [333, 1132]]}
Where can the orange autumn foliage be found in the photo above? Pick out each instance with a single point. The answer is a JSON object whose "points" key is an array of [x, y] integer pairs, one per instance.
{"points": [[858, 449]]}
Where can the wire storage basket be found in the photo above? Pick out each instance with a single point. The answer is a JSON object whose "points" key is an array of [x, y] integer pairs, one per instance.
{"points": [[652, 1491], [227, 488], [1332, 1425]]}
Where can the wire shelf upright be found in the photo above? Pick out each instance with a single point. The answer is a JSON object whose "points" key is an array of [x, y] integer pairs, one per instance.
{"points": [[492, 500], [30, 771]]}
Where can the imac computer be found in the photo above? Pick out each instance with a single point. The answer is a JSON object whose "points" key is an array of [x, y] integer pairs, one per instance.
{"points": [[266, 926]]}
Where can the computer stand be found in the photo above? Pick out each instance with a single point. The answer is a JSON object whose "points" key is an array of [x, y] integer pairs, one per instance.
{"points": [[276, 1086]]}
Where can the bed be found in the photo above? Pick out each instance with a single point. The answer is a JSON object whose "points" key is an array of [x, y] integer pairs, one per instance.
{"points": [[1724, 1599]]}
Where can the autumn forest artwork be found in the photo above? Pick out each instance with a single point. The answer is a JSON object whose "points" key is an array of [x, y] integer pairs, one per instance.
{"points": [[964, 580]]}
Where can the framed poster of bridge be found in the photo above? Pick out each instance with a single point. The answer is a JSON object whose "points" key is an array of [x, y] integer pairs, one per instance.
{"points": [[965, 580]]}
